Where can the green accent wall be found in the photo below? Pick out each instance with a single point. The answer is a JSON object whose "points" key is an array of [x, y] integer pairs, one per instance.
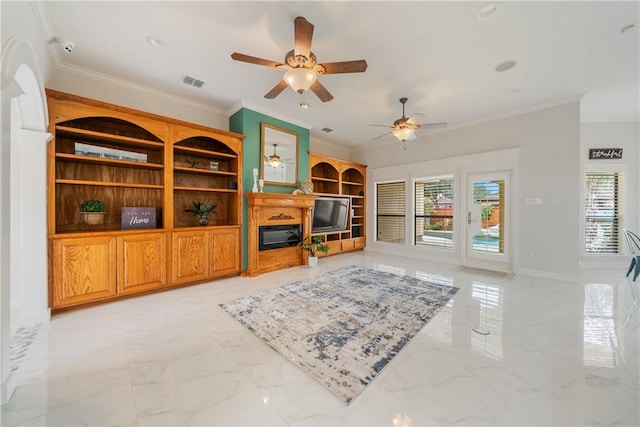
{"points": [[247, 122]]}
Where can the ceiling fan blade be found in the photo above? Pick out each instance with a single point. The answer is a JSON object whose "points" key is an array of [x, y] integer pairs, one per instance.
{"points": [[357, 66], [411, 119], [433, 125], [254, 60], [303, 33], [321, 92], [277, 90], [378, 137], [383, 126]]}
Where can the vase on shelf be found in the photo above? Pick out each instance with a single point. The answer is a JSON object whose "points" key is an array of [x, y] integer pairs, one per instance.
{"points": [[203, 220], [92, 218], [306, 187]]}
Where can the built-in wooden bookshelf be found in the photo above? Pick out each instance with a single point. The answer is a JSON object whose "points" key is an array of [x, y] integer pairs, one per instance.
{"points": [[129, 158], [331, 177]]}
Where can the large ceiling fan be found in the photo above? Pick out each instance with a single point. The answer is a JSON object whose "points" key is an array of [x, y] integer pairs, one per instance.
{"points": [[301, 66], [405, 127]]}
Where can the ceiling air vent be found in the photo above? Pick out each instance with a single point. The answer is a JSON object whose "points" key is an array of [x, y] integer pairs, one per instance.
{"points": [[326, 130], [192, 81]]}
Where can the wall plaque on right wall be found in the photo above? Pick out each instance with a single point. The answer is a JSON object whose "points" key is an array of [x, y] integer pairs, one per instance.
{"points": [[605, 153]]}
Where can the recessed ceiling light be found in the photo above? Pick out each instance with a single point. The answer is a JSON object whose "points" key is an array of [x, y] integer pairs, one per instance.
{"points": [[486, 11], [627, 28], [155, 42], [506, 65]]}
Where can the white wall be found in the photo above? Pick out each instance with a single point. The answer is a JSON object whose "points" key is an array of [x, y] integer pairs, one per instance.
{"points": [[617, 135], [549, 168], [330, 149]]}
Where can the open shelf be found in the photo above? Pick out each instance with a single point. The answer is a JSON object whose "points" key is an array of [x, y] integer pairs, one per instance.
{"points": [[335, 177]]}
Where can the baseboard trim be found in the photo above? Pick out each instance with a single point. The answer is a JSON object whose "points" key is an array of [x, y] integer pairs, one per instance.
{"points": [[6, 390], [33, 318], [548, 275]]}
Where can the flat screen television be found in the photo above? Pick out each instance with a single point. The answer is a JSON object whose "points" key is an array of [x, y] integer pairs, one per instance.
{"points": [[330, 214]]}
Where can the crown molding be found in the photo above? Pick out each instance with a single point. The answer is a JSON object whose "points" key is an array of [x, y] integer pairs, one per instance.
{"points": [[258, 109], [513, 113], [44, 24], [114, 81]]}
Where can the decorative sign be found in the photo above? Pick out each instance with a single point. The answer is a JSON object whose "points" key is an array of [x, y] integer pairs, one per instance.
{"points": [[605, 153], [108, 153], [138, 218]]}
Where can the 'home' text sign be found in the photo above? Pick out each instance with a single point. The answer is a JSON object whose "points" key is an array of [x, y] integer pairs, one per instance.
{"points": [[138, 217]]}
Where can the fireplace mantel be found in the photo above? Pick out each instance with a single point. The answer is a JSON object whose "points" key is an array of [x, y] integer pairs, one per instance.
{"points": [[276, 209]]}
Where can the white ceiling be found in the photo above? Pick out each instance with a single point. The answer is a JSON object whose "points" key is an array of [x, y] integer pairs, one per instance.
{"points": [[438, 54]]}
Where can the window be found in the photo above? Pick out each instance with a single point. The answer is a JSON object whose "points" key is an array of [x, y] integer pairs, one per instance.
{"points": [[390, 212], [434, 212], [602, 208]]}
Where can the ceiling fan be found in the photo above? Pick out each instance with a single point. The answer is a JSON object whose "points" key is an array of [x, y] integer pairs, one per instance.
{"points": [[302, 68], [405, 127], [274, 160]]}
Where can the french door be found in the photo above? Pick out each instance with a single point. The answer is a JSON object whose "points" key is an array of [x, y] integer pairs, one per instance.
{"points": [[487, 239]]}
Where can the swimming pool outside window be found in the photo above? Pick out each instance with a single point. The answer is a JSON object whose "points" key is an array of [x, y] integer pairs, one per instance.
{"points": [[434, 212]]}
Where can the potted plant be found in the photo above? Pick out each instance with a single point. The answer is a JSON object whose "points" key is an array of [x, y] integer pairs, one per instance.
{"points": [[92, 212], [316, 245], [202, 211]]}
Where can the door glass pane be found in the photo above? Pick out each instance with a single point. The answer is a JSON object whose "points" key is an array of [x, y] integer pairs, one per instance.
{"points": [[488, 206]]}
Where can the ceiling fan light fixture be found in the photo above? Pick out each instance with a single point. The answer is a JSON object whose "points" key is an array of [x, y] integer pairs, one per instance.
{"points": [[274, 160], [403, 133], [300, 79], [302, 103]]}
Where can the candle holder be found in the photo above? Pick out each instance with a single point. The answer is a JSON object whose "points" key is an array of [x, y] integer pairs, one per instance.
{"points": [[255, 180], [261, 185]]}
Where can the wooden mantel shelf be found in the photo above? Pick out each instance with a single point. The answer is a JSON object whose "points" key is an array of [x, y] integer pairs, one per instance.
{"points": [[277, 209], [280, 200]]}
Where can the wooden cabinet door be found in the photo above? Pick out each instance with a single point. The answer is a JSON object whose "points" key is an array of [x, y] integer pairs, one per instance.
{"points": [[84, 270], [141, 262], [335, 247], [347, 245], [190, 255], [225, 250]]}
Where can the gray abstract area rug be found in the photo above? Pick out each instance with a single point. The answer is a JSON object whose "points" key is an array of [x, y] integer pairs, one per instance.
{"points": [[342, 327]]}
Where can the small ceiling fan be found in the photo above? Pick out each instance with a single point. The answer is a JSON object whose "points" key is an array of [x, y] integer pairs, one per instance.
{"points": [[301, 66], [405, 127], [273, 160]]}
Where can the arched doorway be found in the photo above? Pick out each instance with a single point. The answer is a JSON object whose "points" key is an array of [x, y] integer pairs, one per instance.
{"points": [[23, 284]]}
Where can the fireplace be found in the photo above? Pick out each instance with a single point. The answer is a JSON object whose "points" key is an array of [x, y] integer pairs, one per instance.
{"points": [[279, 236], [270, 246]]}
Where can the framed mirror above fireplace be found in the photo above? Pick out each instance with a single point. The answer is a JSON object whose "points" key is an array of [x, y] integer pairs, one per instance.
{"points": [[279, 153]]}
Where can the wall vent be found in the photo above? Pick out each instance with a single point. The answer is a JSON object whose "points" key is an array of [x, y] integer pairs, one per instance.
{"points": [[191, 81]]}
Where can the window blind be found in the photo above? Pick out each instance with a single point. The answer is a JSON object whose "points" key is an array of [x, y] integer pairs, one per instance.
{"points": [[602, 212], [434, 212], [390, 212]]}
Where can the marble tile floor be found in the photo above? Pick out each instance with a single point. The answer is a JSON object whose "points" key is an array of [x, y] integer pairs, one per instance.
{"points": [[558, 354]]}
